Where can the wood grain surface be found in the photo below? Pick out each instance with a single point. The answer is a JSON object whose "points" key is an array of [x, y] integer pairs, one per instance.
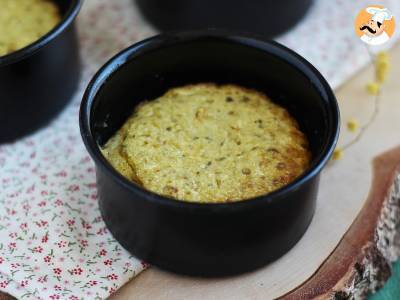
{"points": [[361, 261]]}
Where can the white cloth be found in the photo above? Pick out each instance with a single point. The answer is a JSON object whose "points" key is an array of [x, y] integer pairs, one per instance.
{"points": [[375, 40]]}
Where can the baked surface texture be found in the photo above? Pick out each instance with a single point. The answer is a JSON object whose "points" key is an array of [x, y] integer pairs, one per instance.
{"points": [[23, 22], [209, 143]]}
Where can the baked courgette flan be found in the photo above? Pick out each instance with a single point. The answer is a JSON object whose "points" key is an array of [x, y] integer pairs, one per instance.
{"points": [[210, 143], [23, 22]]}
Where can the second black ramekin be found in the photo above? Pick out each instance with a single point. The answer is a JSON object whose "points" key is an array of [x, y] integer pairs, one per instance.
{"points": [[266, 17], [207, 239], [37, 81]]}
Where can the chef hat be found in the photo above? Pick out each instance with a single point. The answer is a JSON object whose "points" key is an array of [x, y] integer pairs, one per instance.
{"points": [[379, 14]]}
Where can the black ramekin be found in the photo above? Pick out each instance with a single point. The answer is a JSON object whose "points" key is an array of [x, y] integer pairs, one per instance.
{"points": [[37, 81], [265, 17], [207, 239]]}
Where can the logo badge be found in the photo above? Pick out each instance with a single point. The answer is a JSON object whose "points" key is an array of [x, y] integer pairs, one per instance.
{"points": [[374, 25]]}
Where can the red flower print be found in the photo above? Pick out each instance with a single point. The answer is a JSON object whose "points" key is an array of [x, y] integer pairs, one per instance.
{"points": [[57, 271], [3, 284], [76, 271], [73, 188], [23, 226], [144, 265], [38, 249], [44, 193], [11, 211], [92, 282], [108, 262], [84, 243], [15, 265], [12, 245], [112, 291], [86, 159], [24, 283], [47, 259], [42, 203], [54, 297], [13, 235], [101, 231], [70, 222], [26, 207], [86, 226], [61, 174], [103, 252], [92, 185], [59, 202], [57, 288], [45, 239], [42, 279], [61, 244], [30, 189], [41, 223], [112, 277], [1, 260], [73, 298]]}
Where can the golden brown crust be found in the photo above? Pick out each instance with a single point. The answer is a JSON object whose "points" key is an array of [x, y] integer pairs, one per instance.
{"points": [[209, 143], [23, 22]]}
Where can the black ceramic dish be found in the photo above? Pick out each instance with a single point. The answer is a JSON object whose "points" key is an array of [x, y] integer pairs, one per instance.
{"points": [[207, 239], [265, 17], [37, 81]]}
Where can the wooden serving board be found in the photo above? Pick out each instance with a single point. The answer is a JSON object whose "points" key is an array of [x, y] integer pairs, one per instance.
{"points": [[331, 260]]}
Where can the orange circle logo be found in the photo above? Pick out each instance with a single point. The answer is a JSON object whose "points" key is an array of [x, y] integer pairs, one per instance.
{"points": [[374, 25]]}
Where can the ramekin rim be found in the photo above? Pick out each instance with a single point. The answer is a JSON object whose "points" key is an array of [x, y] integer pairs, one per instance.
{"points": [[157, 41]]}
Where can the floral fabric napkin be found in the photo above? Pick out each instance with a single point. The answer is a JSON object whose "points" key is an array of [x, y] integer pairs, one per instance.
{"points": [[53, 241]]}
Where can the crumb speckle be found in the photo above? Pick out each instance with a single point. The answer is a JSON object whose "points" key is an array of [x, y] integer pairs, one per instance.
{"points": [[337, 154], [373, 88], [246, 171], [352, 125]]}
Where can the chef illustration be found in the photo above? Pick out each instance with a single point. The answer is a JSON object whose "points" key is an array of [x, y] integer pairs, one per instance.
{"points": [[374, 30]]}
